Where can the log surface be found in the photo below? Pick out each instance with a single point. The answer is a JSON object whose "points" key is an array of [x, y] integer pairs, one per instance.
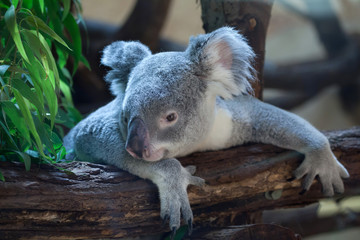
{"points": [[99, 201]]}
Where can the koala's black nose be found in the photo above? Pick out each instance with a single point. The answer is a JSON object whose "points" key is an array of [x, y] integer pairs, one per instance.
{"points": [[137, 140]]}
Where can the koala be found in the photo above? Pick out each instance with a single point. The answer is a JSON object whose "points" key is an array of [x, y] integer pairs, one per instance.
{"points": [[171, 104]]}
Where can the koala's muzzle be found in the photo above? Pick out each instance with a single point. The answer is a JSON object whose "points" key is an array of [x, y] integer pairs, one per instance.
{"points": [[137, 142]]}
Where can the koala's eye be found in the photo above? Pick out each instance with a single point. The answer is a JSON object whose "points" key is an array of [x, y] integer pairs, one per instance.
{"points": [[171, 117], [168, 120]]}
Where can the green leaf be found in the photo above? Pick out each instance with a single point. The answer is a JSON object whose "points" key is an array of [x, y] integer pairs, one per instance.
{"points": [[85, 62], [28, 4], [6, 130], [42, 26], [15, 3], [65, 89], [67, 4], [5, 88], [74, 32], [42, 51], [3, 69], [61, 153], [44, 132], [25, 90], [4, 6], [51, 61], [38, 76], [62, 57], [38, 90], [74, 114], [2, 177], [51, 81], [13, 113], [12, 26], [26, 158], [29, 120], [42, 5]]}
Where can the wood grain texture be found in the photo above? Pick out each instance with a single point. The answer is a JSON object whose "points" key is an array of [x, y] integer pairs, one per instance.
{"points": [[98, 201]]}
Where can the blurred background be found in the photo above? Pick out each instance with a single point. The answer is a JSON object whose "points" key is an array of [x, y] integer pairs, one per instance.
{"points": [[312, 68], [292, 39]]}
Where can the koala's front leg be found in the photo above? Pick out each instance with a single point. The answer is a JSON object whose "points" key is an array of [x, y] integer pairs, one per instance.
{"points": [[99, 140], [172, 180], [278, 127]]}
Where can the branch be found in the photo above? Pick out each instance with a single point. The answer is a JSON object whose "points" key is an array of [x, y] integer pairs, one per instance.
{"points": [[99, 201]]}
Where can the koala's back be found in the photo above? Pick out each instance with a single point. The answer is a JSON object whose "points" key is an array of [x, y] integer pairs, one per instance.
{"points": [[85, 141]]}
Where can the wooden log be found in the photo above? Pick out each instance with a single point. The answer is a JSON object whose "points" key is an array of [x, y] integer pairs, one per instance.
{"points": [[249, 232], [98, 201]]}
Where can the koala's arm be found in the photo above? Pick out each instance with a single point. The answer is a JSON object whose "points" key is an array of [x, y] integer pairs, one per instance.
{"points": [[98, 139], [261, 122]]}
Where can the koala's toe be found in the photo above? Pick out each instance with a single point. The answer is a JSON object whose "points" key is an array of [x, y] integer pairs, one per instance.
{"points": [[164, 220], [175, 215], [338, 186], [197, 181], [301, 171], [309, 178], [327, 187], [186, 210], [343, 172], [191, 169], [190, 226]]}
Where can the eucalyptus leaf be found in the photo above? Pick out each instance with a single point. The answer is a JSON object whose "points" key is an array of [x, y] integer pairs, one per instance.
{"points": [[26, 158], [13, 113], [67, 4], [65, 89], [15, 3], [44, 132], [25, 90], [29, 120], [74, 32], [28, 4], [3, 69], [4, 6], [5, 129], [41, 25], [42, 5], [51, 79], [10, 20]]}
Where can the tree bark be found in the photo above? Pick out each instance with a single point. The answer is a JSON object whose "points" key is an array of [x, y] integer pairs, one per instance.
{"points": [[251, 18], [98, 201]]}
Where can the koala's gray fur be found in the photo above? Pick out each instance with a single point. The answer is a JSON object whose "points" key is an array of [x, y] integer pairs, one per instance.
{"points": [[172, 104]]}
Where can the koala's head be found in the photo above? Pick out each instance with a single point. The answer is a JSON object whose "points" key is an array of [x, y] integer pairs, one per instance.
{"points": [[169, 98]]}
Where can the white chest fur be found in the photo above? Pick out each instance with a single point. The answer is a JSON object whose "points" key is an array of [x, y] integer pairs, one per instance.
{"points": [[220, 132]]}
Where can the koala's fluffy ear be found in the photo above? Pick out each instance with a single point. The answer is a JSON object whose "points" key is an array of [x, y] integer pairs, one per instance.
{"points": [[223, 58], [122, 57]]}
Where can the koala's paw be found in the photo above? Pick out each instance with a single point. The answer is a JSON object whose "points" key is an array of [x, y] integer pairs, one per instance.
{"points": [[174, 200], [327, 168]]}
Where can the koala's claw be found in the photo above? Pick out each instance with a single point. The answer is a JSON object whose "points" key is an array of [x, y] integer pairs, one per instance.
{"points": [[173, 233], [164, 220], [173, 196], [326, 169], [302, 192], [291, 179], [190, 227]]}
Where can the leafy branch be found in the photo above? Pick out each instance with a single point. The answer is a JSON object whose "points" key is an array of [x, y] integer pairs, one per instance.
{"points": [[37, 40]]}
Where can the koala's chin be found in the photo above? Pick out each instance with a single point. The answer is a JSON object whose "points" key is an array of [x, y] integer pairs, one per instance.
{"points": [[152, 154]]}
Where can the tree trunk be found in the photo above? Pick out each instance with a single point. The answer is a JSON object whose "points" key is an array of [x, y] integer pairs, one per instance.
{"points": [[145, 23], [251, 18], [98, 201]]}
